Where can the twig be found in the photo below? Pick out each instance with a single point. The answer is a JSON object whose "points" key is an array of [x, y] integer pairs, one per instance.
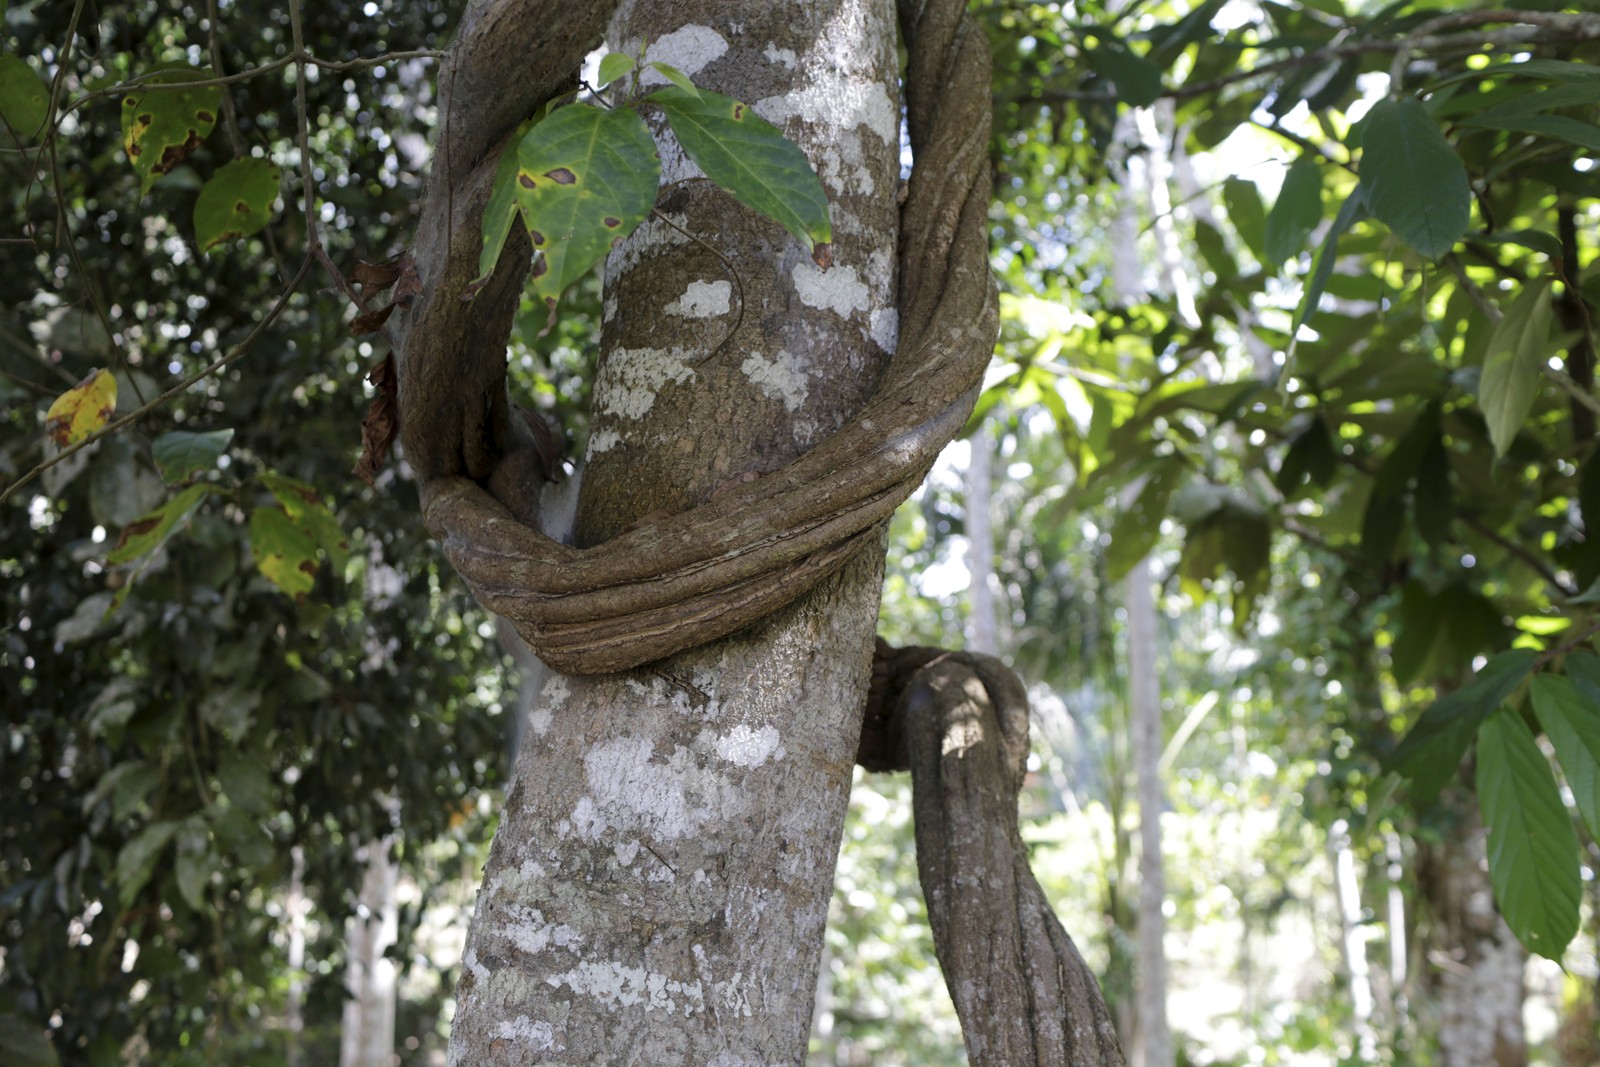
{"points": [[1573, 389], [199, 375], [1421, 37]]}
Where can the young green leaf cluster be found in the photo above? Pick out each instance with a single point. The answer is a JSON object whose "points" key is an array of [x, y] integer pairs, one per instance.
{"points": [[585, 176]]}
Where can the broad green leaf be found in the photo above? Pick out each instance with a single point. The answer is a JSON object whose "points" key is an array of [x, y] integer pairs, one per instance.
{"points": [[1533, 852], [306, 508], [1510, 376], [1571, 720], [1561, 127], [1296, 212], [751, 159], [137, 860], [586, 178], [1310, 461], [1433, 748], [161, 126], [180, 453], [1249, 218], [613, 65], [1138, 526], [1536, 240], [1586, 91], [24, 98], [500, 210], [1351, 212], [196, 863], [1412, 179], [1138, 80], [24, 1043], [676, 77], [148, 532], [83, 409], [285, 552], [246, 782], [235, 202]]}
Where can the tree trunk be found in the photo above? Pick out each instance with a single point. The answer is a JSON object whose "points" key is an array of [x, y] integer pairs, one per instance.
{"points": [[658, 888], [366, 1031], [1475, 963]]}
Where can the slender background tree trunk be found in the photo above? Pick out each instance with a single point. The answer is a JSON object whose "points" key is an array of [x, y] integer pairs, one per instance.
{"points": [[658, 888]]}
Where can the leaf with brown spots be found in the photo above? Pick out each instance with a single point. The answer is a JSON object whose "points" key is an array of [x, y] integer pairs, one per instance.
{"points": [[585, 178], [236, 201], [283, 550], [148, 532], [382, 424], [499, 212], [165, 120], [82, 410], [307, 511]]}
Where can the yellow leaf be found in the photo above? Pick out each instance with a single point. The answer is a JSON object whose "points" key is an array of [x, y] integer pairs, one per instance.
{"points": [[83, 409]]}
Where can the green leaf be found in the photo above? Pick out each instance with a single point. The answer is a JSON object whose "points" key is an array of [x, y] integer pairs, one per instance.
{"points": [[1249, 218], [179, 453], [585, 180], [500, 210], [1412, 179], [285, 553], [235, 202], [1296, 212], [1433, 748], [613, 65], [1533, 852], [148, 532], [1351, 212], [196, 863], [1138, 80], [676, 77], [24, 1043], [1560, 127], [137, 860], [160, 127], [246, 782], [24, 98], [1138, 526], [306, 508], [1510, 376], [751, 159], [1571, 720]]}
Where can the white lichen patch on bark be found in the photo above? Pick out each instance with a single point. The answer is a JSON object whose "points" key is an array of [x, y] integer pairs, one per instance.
{"points": [[784, 377], [839, 290], [746, 747], [602, 441], [689, 49], [528, 931], [842, 164], [785, 56], [630, 378], [885, 331], [630, 789], [533, 1035], [702, 300], [616, 985], [653, 234]]}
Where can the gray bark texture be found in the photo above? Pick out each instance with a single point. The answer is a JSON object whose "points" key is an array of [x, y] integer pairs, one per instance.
{"points": [[659, 885], [657, 891]]}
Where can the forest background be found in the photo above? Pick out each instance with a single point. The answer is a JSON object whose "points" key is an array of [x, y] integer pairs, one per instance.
{"points": [[1297, 368]]}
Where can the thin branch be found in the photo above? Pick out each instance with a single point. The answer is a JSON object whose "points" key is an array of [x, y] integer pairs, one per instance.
{"points": [[1539, 28], [1572, 388], [211, 368], [1421, 37]]}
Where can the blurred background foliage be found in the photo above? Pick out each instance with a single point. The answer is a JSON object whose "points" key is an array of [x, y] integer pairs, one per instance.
{"points": [[1226, 345]]}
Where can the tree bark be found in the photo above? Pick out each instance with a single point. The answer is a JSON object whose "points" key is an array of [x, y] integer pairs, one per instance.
{"points": [[658, 888]]}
